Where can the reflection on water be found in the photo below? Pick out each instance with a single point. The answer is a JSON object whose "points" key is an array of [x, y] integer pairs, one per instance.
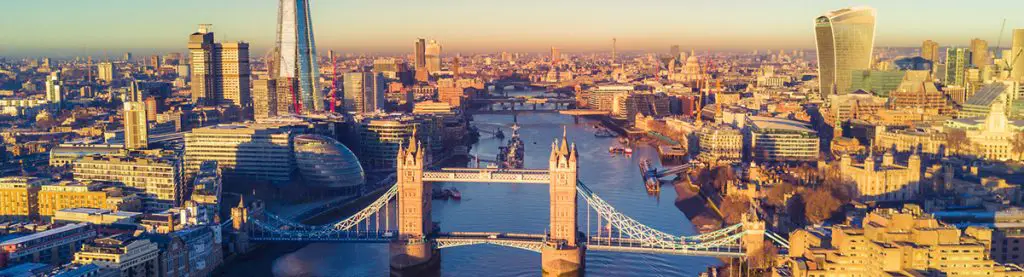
{"points": [[523, 208]]}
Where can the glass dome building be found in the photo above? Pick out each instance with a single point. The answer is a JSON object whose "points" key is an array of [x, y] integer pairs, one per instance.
{"points": [[327, 164]]}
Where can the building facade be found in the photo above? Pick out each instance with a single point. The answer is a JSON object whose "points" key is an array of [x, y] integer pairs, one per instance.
{"points": [[845, 39], [885, 181], [781, 140], [295, 54], [259, 151], [159, 175], [20, 197]]}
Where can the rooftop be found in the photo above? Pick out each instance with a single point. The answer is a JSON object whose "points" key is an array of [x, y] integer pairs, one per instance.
{"points": [[987, 94], [780, 124]]}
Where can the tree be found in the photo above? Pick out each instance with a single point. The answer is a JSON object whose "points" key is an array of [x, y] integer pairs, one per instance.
{"points": [[733, 207], [776, 195], [1017, 143], [819, 204], [957, 141]]}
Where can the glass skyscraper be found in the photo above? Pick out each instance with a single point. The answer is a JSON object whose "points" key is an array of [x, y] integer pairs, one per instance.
{"points": [[845, 39], [296, 55]]}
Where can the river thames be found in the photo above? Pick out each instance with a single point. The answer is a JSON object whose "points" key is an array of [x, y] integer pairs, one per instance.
{"points": [[522, 208]]}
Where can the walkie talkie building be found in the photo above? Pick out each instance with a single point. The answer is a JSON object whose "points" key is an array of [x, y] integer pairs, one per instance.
{"points": [[295, 56]]}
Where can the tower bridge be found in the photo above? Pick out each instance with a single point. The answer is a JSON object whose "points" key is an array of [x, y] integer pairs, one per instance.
{"points": [[401, 218]]}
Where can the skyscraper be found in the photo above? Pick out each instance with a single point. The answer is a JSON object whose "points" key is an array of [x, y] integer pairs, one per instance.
{"points": [[674, 52], [979, 52], [364, 91], [433, 56], [232, 79], [930, 51], [1016, 59], [264, 98], [220, 71], [295, 54], [136, 130], [420, 62], [105, 72], [957, 60], [54, 88], [614, 49], [200, 52], [845, 39], [555, 56]]}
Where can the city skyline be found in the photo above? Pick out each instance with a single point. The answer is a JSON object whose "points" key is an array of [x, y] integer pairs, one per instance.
{"points": [[472, 27]]}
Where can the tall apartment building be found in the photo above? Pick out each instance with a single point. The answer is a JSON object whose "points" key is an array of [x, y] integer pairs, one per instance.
{"points": [[21, 197], [781, 140], [957, 63], [264, 98], [68, 194], [845, 40], [132, 256], [886, 181], [105, 72], [136, 127], [158, 174], [258, 151], [220, 71], [930, 51], [894, 243]]}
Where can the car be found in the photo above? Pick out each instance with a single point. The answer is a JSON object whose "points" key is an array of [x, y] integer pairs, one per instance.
{"points": [[493, 237]]}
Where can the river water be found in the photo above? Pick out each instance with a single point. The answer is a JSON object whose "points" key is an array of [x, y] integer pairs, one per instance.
{"points": [[523, 208]]}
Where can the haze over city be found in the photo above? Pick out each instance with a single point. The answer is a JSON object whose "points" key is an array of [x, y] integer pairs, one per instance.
{"points": [[72, 27], [556, 138]]}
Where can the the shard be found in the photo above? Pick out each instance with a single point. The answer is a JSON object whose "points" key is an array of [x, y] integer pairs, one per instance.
{"points": [[295, 57]]}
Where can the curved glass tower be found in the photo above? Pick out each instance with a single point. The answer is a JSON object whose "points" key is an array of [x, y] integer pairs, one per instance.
{"points": [[296, 55], [845, 39]]}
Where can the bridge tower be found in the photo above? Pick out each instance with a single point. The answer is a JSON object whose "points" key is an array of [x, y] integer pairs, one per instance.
{"points": [[562, 255], [412, 254], [753, 239]]}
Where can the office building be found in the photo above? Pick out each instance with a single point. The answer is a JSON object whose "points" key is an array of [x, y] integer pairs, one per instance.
{"points": [[232, 79], [886, 181], [54, 197], [136, 127], [979, 53], [888, 242], [855, 105], [127, 57], [957, 60], [930, 51], [917, 92], [556, 56], [201, 49], [1016, 58], [159, 175], [21, 197], [845, 40], [54, 247], [295, 54], [364, 91], [432, 55], [781, 140], [220, 71], [877, 82], [105, 72], [980, 103], [264, 99], [204, 204], [132, 256], [719, 143], [259, 151], [420, 54], [328, 166], [54, 88], [94, 216], [286, 92]]}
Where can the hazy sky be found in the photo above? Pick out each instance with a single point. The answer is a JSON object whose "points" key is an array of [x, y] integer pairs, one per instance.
{"points": [[74, 27]]}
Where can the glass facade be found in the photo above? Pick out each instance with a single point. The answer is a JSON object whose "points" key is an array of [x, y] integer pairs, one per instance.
{"points": [[296, 53], [845, 39], [324, 162]]}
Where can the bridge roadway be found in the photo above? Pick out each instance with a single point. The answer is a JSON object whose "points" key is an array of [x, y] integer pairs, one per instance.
{"points": [[483, 175]]}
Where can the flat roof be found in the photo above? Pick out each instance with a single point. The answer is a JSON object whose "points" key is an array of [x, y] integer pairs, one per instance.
{"points": [[986, 94], [37, 235]]}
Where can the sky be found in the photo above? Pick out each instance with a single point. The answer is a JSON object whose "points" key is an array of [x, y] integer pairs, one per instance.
{"points": [[94, 27]]}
